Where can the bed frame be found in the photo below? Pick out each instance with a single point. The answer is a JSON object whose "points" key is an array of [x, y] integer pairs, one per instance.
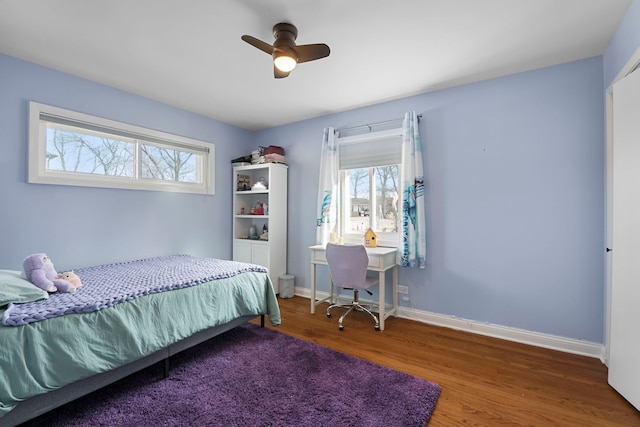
{"points": [[43, 403]]}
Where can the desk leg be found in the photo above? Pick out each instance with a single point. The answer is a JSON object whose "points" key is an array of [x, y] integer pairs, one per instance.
{"points": [[395, 290], [313, 288], [381, 299]]}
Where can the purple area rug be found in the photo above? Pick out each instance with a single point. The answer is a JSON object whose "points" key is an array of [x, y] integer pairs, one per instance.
{"points": [[253, 376]]}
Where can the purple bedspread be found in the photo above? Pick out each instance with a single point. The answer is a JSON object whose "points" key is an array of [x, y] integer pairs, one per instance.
{"points": [[110, 284]]}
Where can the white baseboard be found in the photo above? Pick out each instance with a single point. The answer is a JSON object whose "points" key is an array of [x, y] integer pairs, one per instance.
{"points": [[553, 342]]}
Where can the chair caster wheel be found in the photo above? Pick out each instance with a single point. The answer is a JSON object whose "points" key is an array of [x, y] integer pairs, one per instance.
{"points": [[341, 327], [377, 327], [328, 314]]}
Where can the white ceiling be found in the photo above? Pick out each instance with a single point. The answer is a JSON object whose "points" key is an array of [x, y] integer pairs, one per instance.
{"points": [[189, 54]]}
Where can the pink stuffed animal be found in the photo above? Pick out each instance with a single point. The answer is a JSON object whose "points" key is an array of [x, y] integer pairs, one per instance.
{"points": [[72, 277], [39, 270]]}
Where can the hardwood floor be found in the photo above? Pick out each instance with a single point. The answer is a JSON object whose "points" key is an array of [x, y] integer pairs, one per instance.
{"points": [[485, 381]]}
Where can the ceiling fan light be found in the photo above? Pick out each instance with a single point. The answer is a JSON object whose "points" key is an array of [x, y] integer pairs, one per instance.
{"points": [[284, 62]]}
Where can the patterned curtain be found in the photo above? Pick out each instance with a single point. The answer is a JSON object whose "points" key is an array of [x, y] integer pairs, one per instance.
{"points": [[327, 188], [412, 245]]}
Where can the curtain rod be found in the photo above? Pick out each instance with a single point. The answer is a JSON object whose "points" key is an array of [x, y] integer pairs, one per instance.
{"points": [[370, 125]]}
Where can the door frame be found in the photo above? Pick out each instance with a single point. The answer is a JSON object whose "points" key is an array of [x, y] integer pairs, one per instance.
{"points": [[632, 64]]}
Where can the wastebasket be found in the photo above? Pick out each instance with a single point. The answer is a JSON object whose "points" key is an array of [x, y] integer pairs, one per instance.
{"points": [[286, 286]]}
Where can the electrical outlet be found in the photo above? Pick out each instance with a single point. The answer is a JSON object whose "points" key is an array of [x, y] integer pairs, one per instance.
{"points": [[403, 289]]}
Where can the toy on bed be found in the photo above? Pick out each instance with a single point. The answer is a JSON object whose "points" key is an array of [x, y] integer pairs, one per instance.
{"points": [[72, 277], [39, 270]]}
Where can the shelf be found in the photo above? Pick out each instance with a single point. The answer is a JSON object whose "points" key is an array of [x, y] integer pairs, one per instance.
{"points": [[240, 192], [271, 253], [246, 239]]}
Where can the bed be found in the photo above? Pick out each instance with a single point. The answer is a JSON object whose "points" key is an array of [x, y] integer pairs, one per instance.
{"points": [[59, 354]]}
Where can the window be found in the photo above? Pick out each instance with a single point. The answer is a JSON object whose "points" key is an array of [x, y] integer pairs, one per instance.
{"points": [[369, 185], [70, 148]]}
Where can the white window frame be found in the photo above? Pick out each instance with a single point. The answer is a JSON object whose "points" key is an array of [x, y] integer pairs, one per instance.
{"points": [[39, 114], [383, 239]]}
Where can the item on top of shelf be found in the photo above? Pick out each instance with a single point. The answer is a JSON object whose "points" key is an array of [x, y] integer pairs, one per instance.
{"points": [[241, 161], [257, 156], [244, 182], [253, 232], [259, 209], [273, 149], [260, 185], [274, 158]]}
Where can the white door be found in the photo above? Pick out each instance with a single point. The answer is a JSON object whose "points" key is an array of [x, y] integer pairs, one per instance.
{"points": [[260, 254], [242, 251], [624, 343]]}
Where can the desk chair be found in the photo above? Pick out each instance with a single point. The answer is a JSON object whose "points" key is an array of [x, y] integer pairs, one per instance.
{"points": [[348, 267]]}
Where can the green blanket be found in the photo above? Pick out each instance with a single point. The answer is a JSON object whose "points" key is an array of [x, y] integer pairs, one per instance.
{"points": [[50, 354]]}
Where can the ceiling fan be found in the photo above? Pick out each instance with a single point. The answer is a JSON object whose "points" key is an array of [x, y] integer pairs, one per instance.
{"points": [[286, 55]]}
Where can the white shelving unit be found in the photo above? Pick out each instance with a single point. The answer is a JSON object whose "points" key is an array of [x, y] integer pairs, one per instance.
{"points": [[271, 253]]}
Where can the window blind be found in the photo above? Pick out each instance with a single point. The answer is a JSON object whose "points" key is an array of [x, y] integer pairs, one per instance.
{"points": [[370, 150]]}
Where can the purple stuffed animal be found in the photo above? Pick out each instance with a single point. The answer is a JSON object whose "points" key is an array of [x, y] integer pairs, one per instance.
{"points": [[39, 270]]}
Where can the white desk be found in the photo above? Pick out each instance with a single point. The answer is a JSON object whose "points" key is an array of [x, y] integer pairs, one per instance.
{"points": [[380, 260]]}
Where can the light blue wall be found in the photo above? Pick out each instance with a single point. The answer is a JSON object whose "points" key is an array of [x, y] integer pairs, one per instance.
{"points": [[624, 43], [514, 171], [514, 191], [80, 226]]}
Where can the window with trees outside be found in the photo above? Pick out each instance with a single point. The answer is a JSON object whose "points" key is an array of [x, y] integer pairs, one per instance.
{"points": [[369, 186], [71, 148]]}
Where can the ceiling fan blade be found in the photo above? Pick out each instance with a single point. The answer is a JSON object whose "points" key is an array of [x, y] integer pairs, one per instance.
{"points": [[311, 52], [279, 74], [265, 47]]}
